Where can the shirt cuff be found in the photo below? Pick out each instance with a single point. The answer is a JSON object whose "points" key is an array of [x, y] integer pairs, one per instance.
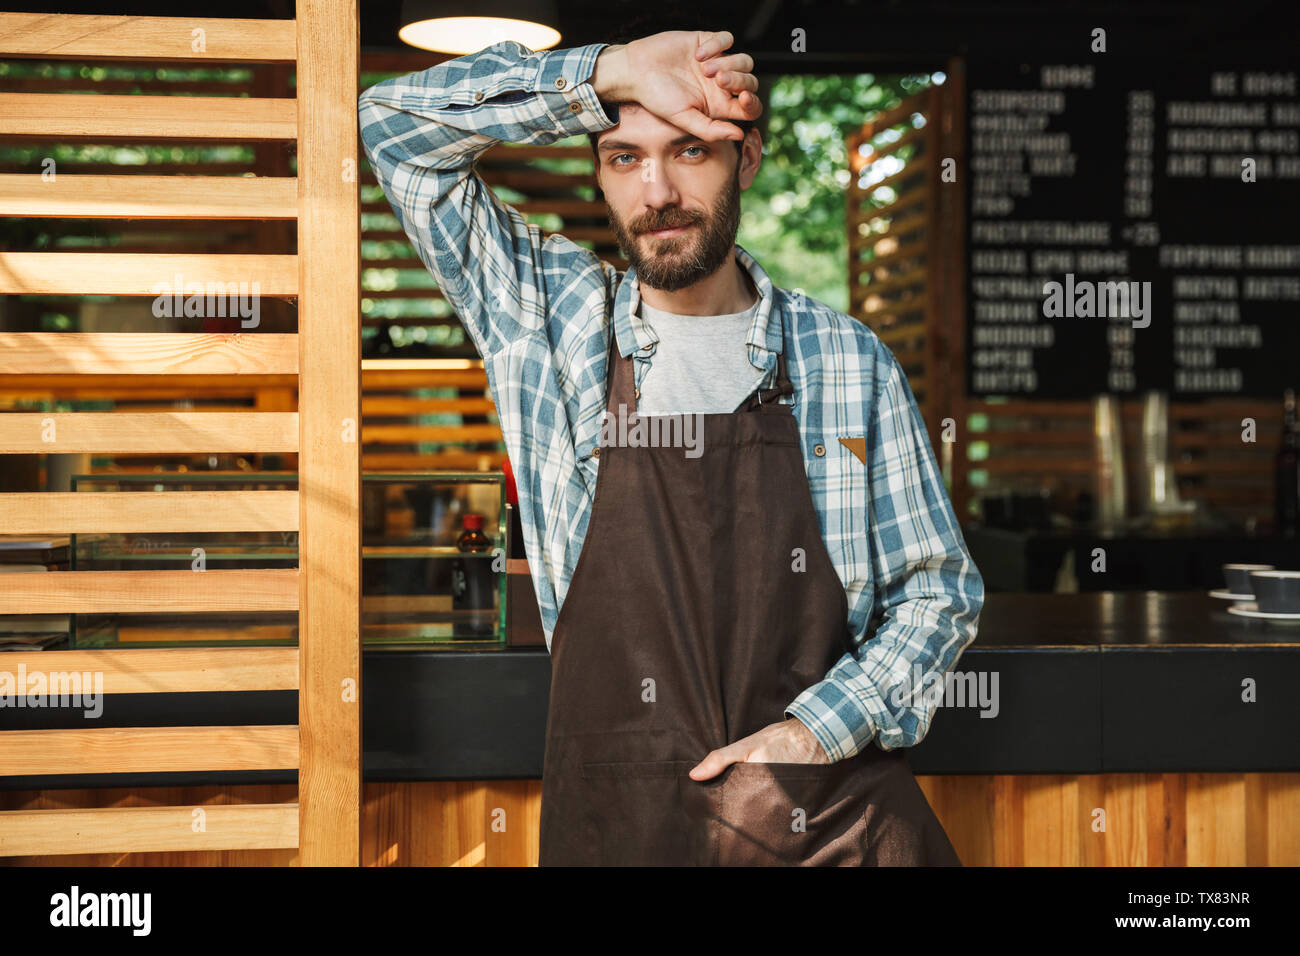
{"points": [[563, 79], [836, 716]]}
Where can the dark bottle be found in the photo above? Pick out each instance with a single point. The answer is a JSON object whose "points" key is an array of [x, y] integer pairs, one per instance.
{"points": [[472, 582], [1287, 502]]}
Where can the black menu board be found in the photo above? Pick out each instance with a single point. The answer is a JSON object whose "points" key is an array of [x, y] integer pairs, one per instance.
{"points": [[1132, 225]]}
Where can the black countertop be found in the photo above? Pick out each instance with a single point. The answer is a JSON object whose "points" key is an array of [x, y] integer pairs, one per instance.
{"points": [[1113, 682]]}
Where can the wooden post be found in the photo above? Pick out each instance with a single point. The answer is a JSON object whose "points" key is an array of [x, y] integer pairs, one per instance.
{"points": [[329, 459]]}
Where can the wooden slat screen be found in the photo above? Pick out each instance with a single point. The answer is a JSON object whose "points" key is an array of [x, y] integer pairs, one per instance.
{"points": [[248, 379], [893, 226], [423, 414]]}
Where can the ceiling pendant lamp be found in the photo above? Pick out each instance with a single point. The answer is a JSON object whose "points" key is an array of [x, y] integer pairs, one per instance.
{"points": [[467, 26]]}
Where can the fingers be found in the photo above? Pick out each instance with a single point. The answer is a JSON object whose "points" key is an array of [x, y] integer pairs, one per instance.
{"points": [[734, 63], [699, 124], [718, 761], [746, 106], [711, 44], [736, 82]]}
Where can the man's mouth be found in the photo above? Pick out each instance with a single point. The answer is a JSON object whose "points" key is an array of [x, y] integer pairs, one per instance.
{"points": [[666, 233]]}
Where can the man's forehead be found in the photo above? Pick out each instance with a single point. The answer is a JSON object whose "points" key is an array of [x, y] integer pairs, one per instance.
{"points": [[618, 112]]}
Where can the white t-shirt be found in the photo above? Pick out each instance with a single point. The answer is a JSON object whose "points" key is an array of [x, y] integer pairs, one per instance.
{"points": [[701, 364]]}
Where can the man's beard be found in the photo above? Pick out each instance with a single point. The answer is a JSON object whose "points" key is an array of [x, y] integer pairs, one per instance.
{"points": [[679, 261]]}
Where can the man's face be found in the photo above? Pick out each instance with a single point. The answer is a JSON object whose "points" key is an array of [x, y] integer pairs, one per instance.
{"points": [[656, 177]]}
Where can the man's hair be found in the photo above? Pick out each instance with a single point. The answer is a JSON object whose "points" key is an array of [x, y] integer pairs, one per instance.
{"points": [[667, 15]]}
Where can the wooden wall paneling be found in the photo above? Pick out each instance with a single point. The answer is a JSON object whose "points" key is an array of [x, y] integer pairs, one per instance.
{"points": [[329, 451], [175, 670], [322, 43], [147, 750], [146, 38], [1157, 819]]}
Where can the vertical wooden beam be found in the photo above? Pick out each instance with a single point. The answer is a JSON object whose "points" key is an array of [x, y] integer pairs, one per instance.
{"points": [[935, 406], [329, 460], [953, 134]]}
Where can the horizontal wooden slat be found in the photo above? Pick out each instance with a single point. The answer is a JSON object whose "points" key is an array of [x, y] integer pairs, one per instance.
{"points": [[90, 115], [148, 749], [434, 461], [900, 112], [395, 405], [896, 334], [42, 433], [150, 197], [247, 826], [911, 171], [865, 213], [147, 38], [912, 250], [109, 273], [147, 353], [374, 379], [172, 636], [899, 307], [893, 283], [168, 670], [887, 149], [116, 512], [174, 386], [465, 434], [896, 227], [93, 592]]}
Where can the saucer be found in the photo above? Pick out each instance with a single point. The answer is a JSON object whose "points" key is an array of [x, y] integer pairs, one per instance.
{"points": [[1252, 610], [1225, 595]]}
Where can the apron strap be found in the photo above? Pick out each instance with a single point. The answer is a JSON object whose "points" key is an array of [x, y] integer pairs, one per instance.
{"points": [[769, 396], [620, 382]]}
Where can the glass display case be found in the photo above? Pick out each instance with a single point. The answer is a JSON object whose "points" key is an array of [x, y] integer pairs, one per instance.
{"points": [[433, 562]]}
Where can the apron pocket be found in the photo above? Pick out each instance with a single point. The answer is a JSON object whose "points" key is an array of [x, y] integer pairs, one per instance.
{"points": [[867, 810], [786, 814]]}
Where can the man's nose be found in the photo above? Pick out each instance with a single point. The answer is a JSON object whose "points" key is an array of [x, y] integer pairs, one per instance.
{"points": [[657, 189]]}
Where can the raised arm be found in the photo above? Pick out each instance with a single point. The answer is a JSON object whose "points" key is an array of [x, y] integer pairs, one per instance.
{"points": [[422, 134], [928, 591]]}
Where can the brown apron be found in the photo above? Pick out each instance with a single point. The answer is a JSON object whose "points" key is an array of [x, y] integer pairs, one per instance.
{"points": [[687, 626]]}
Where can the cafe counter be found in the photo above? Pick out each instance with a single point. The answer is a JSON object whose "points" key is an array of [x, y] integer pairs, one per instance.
{"points": [[1068, 712]]}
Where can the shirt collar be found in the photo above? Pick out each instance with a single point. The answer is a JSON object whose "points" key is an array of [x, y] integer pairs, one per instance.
{"points": [[634, 333]]}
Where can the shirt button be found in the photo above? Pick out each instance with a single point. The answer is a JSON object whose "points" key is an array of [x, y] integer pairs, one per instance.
{"points": [[595, 452], [575, 107], [819, 450], [559, 82], [478, 95]]}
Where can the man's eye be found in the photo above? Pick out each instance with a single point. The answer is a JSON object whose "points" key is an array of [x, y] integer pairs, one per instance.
{"points": [[701, 148], [614, 160]]}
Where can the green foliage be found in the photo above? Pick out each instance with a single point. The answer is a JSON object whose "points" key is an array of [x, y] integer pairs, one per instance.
{"points": [[793, 216]]}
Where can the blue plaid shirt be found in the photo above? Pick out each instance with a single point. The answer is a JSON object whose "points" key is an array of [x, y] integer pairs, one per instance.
{"points": [[538, 311]]}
